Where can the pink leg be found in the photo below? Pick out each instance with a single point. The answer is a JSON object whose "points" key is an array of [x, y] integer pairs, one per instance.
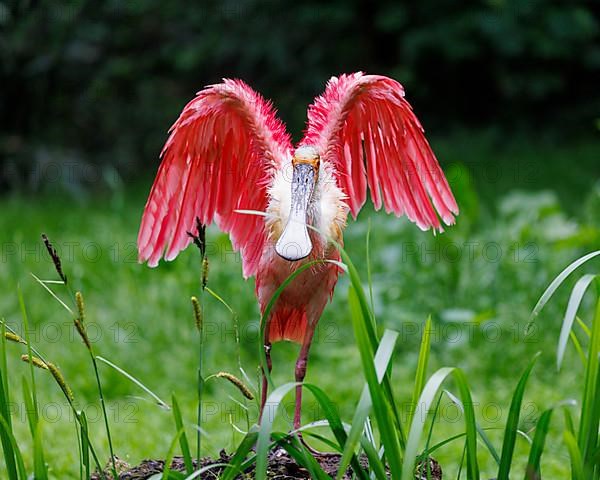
{"points": [[301, 371]]}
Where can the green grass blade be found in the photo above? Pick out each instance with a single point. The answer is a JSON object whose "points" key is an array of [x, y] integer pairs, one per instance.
{"points": [[558, 281], [5, 392], [395, 417], [130, 377], [569, 424], [301, 455], [574, 301], [64, 305], [19, 472], [220, 299], [432, 423], [382, 360], [205, 469], [356, 437], [578, 347], [368, 259], [421, 373], [419, 419], [333, 446], [35, 412], [488, 444], [39, 464], [533, 470], [183, 441], [597, 456], [171, 454], [462, 462], [584, 327], [29, 409], [590, 405], [236, 461], [480, 431], [446, 441], [85, 445], [382, 408], [79, 449], [525, 436], [335, 423], [198, 307], [273, 402], [575, 455], [6, 431], [370, 328], [266, 425], [376, 464], [512, 423]]}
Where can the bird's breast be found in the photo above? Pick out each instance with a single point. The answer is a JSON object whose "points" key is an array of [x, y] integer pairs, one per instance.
{"points": [[315, 280]]}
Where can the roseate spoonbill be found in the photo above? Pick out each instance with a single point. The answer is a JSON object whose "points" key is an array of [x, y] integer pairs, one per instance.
{"points": [[228, 152]]}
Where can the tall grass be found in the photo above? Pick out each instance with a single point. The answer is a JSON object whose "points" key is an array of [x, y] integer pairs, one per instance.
{"points": [[394, 446], [390, 454]]}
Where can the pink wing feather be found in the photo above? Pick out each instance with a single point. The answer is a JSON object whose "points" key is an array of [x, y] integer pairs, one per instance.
{"points": [[370, 134], [220, 156]]}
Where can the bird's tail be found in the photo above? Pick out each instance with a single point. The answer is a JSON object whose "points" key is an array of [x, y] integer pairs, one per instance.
{"points": [[287, 324]]}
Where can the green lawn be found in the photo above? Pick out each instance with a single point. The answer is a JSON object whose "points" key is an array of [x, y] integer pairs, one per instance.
{"points": [[526, 212]]}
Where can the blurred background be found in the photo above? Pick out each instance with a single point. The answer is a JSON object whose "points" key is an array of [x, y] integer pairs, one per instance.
{"points": [[101, 82], [508, 92]]}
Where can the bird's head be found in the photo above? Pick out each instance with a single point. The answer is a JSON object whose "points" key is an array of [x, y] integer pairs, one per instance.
{"points": [[294, 243], [307, 155]]}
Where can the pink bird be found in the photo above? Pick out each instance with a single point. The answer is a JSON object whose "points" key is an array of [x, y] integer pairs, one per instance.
{"points": [[228, 153]]}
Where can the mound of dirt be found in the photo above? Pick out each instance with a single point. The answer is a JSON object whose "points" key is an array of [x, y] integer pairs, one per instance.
{"points": [[281, 466]]}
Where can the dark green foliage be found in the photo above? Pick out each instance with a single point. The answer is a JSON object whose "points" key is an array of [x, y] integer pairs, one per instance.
{"points": [[99, 83]]}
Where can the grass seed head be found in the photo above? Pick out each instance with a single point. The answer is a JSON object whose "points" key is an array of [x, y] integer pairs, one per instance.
{"points": [[83, 334], [60, 380], [55, 258], [241, 386], [80, 306], [204, 272], [13, 337], [35, 361], [197, 313]]}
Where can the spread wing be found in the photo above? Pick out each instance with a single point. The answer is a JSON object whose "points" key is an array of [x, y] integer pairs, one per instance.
{"points": [[368, 131], [220, 156]]}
